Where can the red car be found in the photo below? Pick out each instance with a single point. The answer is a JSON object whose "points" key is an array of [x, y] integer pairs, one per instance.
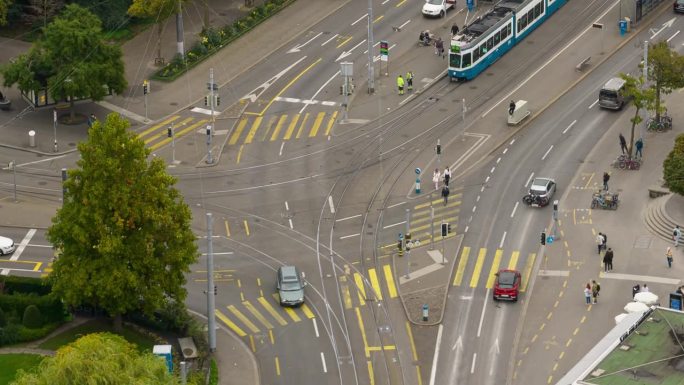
{"points": [[507, 285]]}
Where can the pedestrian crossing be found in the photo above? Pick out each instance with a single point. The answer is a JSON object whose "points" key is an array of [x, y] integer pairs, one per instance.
{"points": [[156, 135]]}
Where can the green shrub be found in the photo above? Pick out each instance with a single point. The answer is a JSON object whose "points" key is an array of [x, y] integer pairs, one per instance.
{"points": [[32, 318], [3, 318], [27, 285], [10, 334], [50, 306], [15, 333]]}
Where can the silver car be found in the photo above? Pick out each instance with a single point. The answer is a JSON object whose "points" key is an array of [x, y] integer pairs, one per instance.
{"points": [[290, 284], [543, 189], [7, 246]]}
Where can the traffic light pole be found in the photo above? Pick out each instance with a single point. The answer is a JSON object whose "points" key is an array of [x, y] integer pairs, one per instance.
{"points": [[408, 250], [211, 301], [432, 225], [443, 237], [210, 128]]}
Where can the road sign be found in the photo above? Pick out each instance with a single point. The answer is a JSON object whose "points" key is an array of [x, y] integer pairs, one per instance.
{"points": [[549, 239], [418, 171], [384, 50], [470, 5]]}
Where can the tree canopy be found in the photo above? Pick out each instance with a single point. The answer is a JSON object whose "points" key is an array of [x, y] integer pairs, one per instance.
{"points": [[666, 70], [99, 358], [673, 167], [4, 7], [71, 60], [157, 10], [123, 231], [641, 98]]}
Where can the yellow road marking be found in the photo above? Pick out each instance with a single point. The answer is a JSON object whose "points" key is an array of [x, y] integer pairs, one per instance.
{"points": [[227, 228], [288, 85], [253, 130], [363, 332], [494, 268], [277, 362], [317, 124], [478, 267], [244, 319], [239, 154], [178, 134], [37, 266], [370, 373], [159, 125], [256, 313], [591, 176], [251, 343], [331, 122], [345, 41], [301, 126], [378, 18], [413, 345], [282, 120], [272, 311], [347, 297], [375, 283], [271, 337], [161, 133], [360, 289], [307, 312], [514, 260], [292, 314], [528, 270], [458, 278], [420, 379], [229, 323], [381, 348], [238, 131], [399, 4], [389, 277], [437, 225], [291, 127], [269, 125], [246, 226]]}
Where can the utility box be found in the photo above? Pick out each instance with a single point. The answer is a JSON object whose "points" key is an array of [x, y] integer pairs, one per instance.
{"points": [[164, 351], [519, 113]]}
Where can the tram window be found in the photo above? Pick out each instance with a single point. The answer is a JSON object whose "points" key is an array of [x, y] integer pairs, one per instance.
{"points": [[483, 49], [476, 55], [455, 60], [466, 60], [530, 16], [541, 8], [497, 38], [508, 30], [490, 43], [537, 10]]}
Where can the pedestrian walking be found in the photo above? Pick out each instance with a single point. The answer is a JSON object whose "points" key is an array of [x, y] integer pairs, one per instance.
{"points": [[600, 242], [454, 30], [595, 289], [409, 81], [605, 263], [445, 194], [639, 146], [635, 289], [447, 176], [439, 47], [91, 120], [623, 144], [400, 84], [587, 294], [435, 178], [511, 107], [606, 178], [608, 260], [645, 289], [668, 255], [676, 235]]}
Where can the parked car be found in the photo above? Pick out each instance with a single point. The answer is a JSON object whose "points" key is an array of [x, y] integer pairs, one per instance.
{"points": [[7, 246], [678, 6], [290, 284], [507, 285]]}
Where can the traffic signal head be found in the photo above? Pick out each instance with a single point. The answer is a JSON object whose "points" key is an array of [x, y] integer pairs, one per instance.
{"points": [[408, 237], [206, 100], [399, 245], [439, 149], [215, 290], [445, 229], [146, 88], [449, 228], [169, 132], [543, 238], [218, 100]]}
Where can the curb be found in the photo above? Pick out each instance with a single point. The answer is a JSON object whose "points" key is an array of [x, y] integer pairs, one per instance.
{"points": [[13, 147]]}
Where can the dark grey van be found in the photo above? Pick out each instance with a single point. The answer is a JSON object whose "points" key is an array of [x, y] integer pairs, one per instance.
{"points": [[612, 94]]}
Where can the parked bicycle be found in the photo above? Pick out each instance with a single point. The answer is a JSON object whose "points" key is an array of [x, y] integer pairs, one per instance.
{"points": [[661, 125], [624, 162]]}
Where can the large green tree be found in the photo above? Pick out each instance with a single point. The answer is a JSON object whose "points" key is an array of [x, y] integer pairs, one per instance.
{"points": [[673, 167], [642, 98], [665, 70], [71, 59], [4, 7], [157, 10], [123, 231], [99, 358]]}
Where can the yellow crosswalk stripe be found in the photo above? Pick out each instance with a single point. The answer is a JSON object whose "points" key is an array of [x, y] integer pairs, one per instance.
{"points": [[390, 281], [347, 297], [229, 323], [494, 269], [307, 312], [317, 124], [438, 205], [159, 125], [375, 283], [458, 278], [288, 310], [514, 260], [269, 125], [331, 122], [272, 311], [360, 289], [253, 130], [301, 126], [478, 267], [438, 216], [257, 314], [163, 132], [243, 319], [182, 132], [278, 127], [291, 127], [528, 270], [238, 131], [438, 225]]}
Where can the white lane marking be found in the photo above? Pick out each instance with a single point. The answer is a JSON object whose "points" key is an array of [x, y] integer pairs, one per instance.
{"points": [[365, 15], [529, 179], [593, 104], [458, 344], [320, 89], [315, 326], [220, 253], [514, 208], [406, 22], [466, 229], [256, 93], [642, 278], [484, 307], [287, 206], [34, 245], [433, 372], [20, 249], [325, 368], [330, 203], [298, 47], [281, 149], [290, 220], [394, 224], [547, 152], [482, 189], [507, 97], [492, 170], [474, 208], [672, 37], [384, 2], [396, 204], [487, 179], [498, 160], [349, 236], [502, 240], [472, 367], [505, 150], [569, 127], [665, 25], [38, 161], [347, 218], [328, 41], [511, 143], [478, 199]]}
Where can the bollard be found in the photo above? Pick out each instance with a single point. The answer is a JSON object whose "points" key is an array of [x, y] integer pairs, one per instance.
{"points": [[418, 185], [32, 138], [426, 310]]}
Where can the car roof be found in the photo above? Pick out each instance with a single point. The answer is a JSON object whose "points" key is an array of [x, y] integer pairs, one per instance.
{"points": [[6, 240], [288, 271], [614, 84], [507, 276], [543, 182]]}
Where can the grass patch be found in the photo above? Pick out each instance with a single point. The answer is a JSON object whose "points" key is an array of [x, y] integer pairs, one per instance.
{"points": [[143, 342], [11, 363], [214, 376]]}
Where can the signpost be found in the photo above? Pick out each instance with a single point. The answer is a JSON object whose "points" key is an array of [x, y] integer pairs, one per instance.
{"points": [[384, 55]]}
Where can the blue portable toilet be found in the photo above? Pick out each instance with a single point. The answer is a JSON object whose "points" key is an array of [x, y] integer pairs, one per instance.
{"points": [[164, 351]]}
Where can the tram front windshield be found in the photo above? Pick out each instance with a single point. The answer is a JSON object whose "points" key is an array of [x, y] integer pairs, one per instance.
{"points": [[455, 60]]}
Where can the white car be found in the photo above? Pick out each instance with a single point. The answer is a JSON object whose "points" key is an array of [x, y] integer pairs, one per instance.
{"points": [[7, 246], [437, 7]]}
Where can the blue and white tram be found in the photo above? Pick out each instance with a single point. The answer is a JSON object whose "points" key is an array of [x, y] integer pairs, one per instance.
{"points": [[491, 35]]}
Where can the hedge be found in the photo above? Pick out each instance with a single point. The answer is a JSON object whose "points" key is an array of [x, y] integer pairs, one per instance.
{"points": [[50, 306], [13, 284], [16, 333]]}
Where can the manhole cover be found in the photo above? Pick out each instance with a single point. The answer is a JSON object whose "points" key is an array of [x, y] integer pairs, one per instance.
{"points": [[173, 104], [369, 233]]}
